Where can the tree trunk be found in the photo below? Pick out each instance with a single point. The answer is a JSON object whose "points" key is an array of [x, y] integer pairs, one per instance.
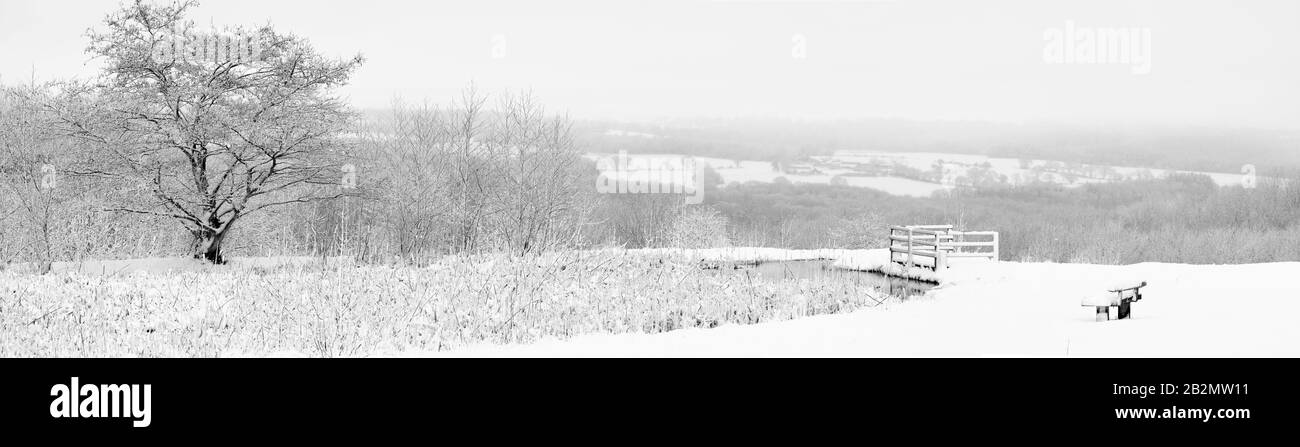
{"points": [[207, 245]]}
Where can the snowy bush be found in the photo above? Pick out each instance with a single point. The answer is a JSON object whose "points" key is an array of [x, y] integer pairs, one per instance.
{"points": [[701, 227]]}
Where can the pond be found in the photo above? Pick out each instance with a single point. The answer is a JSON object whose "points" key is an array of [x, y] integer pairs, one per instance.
{"points": [[825, 271]]}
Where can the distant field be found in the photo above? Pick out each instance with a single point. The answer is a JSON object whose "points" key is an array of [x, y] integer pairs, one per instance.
{"points": [[744, 171], [1011, 167], [824, 169]]}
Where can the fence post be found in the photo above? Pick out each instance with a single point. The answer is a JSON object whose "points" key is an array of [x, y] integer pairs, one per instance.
{"points": [[909, 249], [995, 247], [890, 243]]}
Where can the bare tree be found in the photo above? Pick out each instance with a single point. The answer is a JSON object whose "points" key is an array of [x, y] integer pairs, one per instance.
{"points": [[475, 176], [31, 202], [211, 129], [643, 220], [409, 150], [540, 190]]}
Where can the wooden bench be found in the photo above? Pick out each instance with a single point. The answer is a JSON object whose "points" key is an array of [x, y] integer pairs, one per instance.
{"points": [[1120, 297]]}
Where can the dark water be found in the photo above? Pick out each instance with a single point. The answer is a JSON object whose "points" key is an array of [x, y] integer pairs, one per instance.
{"points": [[825, 271]]}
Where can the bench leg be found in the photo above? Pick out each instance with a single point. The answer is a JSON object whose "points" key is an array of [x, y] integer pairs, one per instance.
{"points": [[1124, 310], [1103, 313]]}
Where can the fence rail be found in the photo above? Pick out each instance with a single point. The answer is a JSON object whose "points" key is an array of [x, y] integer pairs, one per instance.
{"points": [[931, 246]]}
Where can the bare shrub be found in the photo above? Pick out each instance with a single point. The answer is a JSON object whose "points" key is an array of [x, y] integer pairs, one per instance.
{"points": [[700, 227], [475, 177]]}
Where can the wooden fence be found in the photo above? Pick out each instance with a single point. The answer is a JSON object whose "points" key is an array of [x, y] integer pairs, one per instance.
{"points": [[932, 246]]}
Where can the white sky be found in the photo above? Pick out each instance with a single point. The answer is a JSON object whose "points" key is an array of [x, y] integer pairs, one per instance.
{"points": [[1231, 63]]}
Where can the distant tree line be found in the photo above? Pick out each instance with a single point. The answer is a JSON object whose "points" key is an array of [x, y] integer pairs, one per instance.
{"points": [[1274, 152], [1181, 218]]}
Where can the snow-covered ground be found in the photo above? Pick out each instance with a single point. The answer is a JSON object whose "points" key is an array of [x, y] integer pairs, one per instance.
{"points": [[1009, 309], [981, 308]]}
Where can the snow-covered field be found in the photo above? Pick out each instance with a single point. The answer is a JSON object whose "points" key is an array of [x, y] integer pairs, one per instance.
{"points": [[956, 165], [334, 307], [635, 303], [1010, 309], [744, 171], [1011, 167]]}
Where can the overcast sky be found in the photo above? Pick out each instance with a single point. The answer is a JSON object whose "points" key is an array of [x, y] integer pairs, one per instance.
{"points": [[1231, 63]]}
